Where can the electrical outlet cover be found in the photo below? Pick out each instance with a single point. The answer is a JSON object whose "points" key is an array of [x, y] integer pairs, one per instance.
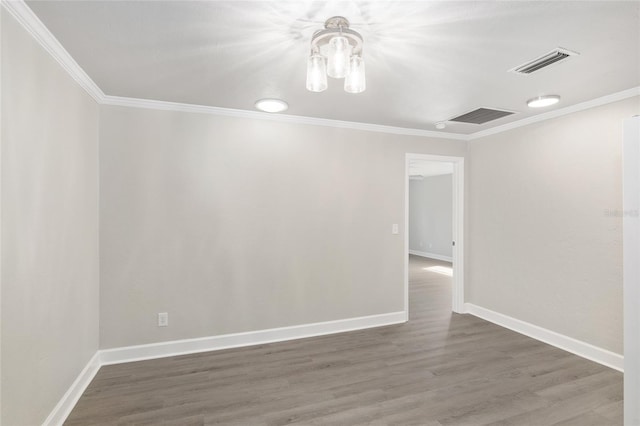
{"points": [[163, 319]]}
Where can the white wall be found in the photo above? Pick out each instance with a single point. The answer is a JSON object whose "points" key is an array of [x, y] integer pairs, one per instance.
{"points": [[232, 225], [49, 229], [430, 215], [542, 247], [1, 134], [631, 219]]}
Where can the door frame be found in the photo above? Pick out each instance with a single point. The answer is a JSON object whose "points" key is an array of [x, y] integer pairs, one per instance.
{"points": [[457, 299], [631, 254]]}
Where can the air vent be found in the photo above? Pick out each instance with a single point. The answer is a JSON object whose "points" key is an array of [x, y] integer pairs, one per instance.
{"points": [[481, 116], [544, 61]]}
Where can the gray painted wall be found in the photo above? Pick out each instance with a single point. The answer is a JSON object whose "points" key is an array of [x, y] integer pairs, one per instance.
{"points": [[542, 247], [232, 225], [430, 215], [49, 191]]}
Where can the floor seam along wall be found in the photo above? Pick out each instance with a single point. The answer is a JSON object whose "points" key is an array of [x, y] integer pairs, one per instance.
{"points": [[205, 344], [251, 338], [569, 344], [431, 255]]}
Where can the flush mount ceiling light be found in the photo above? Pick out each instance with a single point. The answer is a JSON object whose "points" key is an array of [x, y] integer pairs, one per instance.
{"points": [[336, 51], [543, 101], [441, 125], [271, 105]]}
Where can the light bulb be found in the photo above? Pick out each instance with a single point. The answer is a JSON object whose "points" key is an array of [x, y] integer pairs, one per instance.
{"points": [[316, 73], [271, 105], [355, 81], [338, 58], [543, 101]]}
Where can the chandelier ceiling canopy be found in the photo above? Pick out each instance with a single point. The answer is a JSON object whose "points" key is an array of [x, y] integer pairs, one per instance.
{"points": [[336, 51]]}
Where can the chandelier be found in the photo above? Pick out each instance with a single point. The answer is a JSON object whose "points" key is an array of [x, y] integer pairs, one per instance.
{"points": [[336, 51]]}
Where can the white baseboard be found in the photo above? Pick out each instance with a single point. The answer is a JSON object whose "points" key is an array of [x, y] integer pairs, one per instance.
{"points": [[569, 344], [205, 344], [431, 255], [227, 341], [62, 410]]}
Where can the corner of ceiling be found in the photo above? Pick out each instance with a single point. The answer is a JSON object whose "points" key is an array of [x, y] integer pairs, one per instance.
{"points": [[603, 100], [283, 118], [32, 24]]}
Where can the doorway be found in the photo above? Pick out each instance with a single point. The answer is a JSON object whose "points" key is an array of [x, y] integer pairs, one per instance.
{"points": [[456, 164]]}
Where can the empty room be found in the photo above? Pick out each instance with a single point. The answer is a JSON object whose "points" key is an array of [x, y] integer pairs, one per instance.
{"points": [[319, 212]]}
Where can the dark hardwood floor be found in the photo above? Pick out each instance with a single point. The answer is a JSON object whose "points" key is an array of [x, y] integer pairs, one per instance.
{"points": [[438, 369]]}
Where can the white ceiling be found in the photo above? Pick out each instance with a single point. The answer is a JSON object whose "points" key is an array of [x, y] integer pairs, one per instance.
{"points": [[426, 61]]}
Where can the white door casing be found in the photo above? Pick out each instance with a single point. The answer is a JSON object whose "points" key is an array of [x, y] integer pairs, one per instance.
{"points": [[457, 302]]}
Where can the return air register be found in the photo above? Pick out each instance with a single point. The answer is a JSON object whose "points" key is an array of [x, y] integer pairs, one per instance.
{"points": [[556, 55], [481, 116], [484, 115]]}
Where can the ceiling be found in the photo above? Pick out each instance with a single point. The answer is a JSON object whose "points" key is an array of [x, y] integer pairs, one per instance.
{"points": [[426, 61]]}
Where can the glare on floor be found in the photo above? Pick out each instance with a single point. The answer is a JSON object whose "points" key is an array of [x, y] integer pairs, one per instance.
{"points": [[444, 270]]}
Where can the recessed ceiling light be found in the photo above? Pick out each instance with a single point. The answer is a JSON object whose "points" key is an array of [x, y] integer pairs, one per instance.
{"points": [[543, 101], [272, 105], [440, 125]]}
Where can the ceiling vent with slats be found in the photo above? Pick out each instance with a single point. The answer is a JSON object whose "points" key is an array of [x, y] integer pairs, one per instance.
{"points": [[556, 55], [481, 116]]}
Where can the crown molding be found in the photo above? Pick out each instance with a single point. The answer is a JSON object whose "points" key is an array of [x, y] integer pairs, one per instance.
{"points": [[283, 118], [34, 26], [614, 97], [30, 22], [25, 16], [296, 119]]}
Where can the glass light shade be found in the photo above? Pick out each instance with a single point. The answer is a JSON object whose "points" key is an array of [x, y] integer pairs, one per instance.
{"points": [[355, 81], [316, 73], [338, 57]]}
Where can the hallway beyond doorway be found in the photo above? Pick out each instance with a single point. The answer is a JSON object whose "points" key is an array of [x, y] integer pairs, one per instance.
{"points": [[429, 288]]}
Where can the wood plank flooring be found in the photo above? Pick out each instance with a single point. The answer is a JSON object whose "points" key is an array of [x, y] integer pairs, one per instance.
{"points": [[438, 369]]}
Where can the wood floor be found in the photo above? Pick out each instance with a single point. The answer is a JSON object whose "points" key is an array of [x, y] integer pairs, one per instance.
{"points": [[438, 369]]}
